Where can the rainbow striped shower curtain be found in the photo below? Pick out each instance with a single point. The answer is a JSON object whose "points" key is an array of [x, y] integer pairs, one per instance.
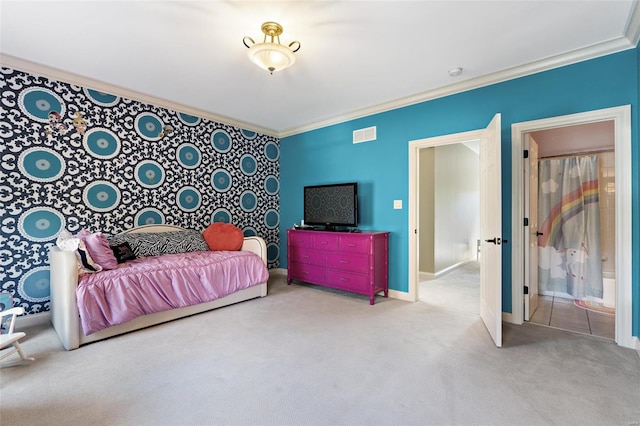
{"points": [[569, 258]]}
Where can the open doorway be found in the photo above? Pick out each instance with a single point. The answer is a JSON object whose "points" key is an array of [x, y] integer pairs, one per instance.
{"points": [[449, 220], [490, 177], [621, 118], [569, 185]]}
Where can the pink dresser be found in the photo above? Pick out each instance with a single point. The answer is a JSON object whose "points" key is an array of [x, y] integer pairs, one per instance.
{"points": [[355, 262]]}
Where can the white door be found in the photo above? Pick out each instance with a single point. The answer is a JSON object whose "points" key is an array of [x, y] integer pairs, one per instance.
{"points": [[491, 230], [531, 231]]}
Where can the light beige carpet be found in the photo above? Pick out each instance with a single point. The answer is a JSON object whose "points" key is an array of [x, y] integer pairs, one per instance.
{"points": [[459, 289], [309, 356]]}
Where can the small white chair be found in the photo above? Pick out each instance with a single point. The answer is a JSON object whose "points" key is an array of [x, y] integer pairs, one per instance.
{"points": [[12, 337]]}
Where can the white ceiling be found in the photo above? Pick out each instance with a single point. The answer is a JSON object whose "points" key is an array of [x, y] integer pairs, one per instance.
{"points": [[357, 57]]}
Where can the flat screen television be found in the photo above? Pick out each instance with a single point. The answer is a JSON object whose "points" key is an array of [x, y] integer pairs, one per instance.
{"points": [[332, 206]]}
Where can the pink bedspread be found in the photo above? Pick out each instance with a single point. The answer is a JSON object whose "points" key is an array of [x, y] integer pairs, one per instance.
{"points": [[155, 284]]}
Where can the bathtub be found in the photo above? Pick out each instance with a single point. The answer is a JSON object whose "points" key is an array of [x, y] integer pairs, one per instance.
{"points": [[609, 289]]}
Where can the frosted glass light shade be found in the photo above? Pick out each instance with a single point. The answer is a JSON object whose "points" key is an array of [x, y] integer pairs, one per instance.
{"points": [[271, 56]]}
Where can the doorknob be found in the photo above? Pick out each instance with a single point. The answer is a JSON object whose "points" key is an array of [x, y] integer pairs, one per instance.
{"points": [[538, 234], [495, 240]]}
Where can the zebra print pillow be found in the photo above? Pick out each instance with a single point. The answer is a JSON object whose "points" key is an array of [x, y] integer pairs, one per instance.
{"points": [[156, 243]]}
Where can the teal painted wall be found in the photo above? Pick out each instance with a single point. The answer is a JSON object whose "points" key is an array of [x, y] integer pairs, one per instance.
{"points": [[381, 168]]}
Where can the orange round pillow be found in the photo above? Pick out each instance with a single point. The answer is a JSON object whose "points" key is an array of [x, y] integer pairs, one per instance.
{"points": [[223, 236]]}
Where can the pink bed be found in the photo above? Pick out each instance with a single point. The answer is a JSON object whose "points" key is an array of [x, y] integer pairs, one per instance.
{"points": [[147, 291], [155, 284]]}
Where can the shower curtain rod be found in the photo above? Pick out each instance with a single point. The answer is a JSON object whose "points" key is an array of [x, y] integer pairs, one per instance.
{"points": [[578, 154]]}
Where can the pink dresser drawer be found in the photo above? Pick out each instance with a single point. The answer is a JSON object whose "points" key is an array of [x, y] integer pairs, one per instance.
{"points": [[357, 283], [355, 244], [325, 241], [348, 262], [301, 239], [307, 273], [304, 255]]}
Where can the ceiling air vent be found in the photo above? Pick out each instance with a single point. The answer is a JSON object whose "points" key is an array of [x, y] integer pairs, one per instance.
{"points": [[364, 135]]}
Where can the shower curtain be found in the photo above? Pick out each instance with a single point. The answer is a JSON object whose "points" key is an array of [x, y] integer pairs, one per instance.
{"points": [[569, 251]]}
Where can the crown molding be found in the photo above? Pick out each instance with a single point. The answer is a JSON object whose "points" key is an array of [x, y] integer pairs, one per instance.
{"points": [[628, 41], [632, 29], [76, 79], [590, 52]]}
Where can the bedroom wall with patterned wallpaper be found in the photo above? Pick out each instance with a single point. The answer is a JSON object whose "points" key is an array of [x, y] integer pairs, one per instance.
{"points": [[119, 164]]}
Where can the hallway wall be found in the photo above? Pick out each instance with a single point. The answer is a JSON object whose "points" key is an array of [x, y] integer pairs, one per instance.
{"points": [[449, 222]]}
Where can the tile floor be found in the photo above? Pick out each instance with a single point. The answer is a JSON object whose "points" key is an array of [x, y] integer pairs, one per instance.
{"points": [[460, 290], [562, 313]]}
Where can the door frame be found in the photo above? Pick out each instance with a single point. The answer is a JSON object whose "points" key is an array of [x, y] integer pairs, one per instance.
{"points": [[621, 116], [414, 158]]}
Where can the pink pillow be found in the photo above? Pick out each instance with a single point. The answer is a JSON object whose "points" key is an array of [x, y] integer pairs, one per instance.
{"points": [[98, 248]]}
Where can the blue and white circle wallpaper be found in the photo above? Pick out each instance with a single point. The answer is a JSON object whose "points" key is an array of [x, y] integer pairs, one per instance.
{"points": [[101, 143], [100, 98], [37, 102], [41, 164], [149, 216], [189, 156], [149, 174], [149, 126], [40, 224], [221, 141], [101, 196], [127, 164]]}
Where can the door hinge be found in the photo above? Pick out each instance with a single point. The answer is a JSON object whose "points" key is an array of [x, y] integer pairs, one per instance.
{"points": [[526, 221], [526, 289], [526, 153]]}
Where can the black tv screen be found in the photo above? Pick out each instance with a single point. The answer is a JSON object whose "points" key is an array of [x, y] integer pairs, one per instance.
{"points": [[331, 205]]}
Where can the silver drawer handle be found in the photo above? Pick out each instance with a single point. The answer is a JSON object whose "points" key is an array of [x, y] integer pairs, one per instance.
{"points": [[344, 279], [352, 245], [344, 261]]}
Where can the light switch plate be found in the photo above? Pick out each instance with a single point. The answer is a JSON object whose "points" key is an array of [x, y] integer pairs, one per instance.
{"points": [[397, 204]]}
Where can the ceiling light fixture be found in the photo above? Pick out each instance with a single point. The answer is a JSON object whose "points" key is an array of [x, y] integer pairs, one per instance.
{"points": [[455, 72], [271, 55]]}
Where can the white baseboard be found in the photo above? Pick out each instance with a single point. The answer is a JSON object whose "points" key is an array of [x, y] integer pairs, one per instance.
{"points": [[27, 321], [394, 294], [426, 276], [278, 271], [445, 271], [509, 318], [400, 295], [451, 268]]}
